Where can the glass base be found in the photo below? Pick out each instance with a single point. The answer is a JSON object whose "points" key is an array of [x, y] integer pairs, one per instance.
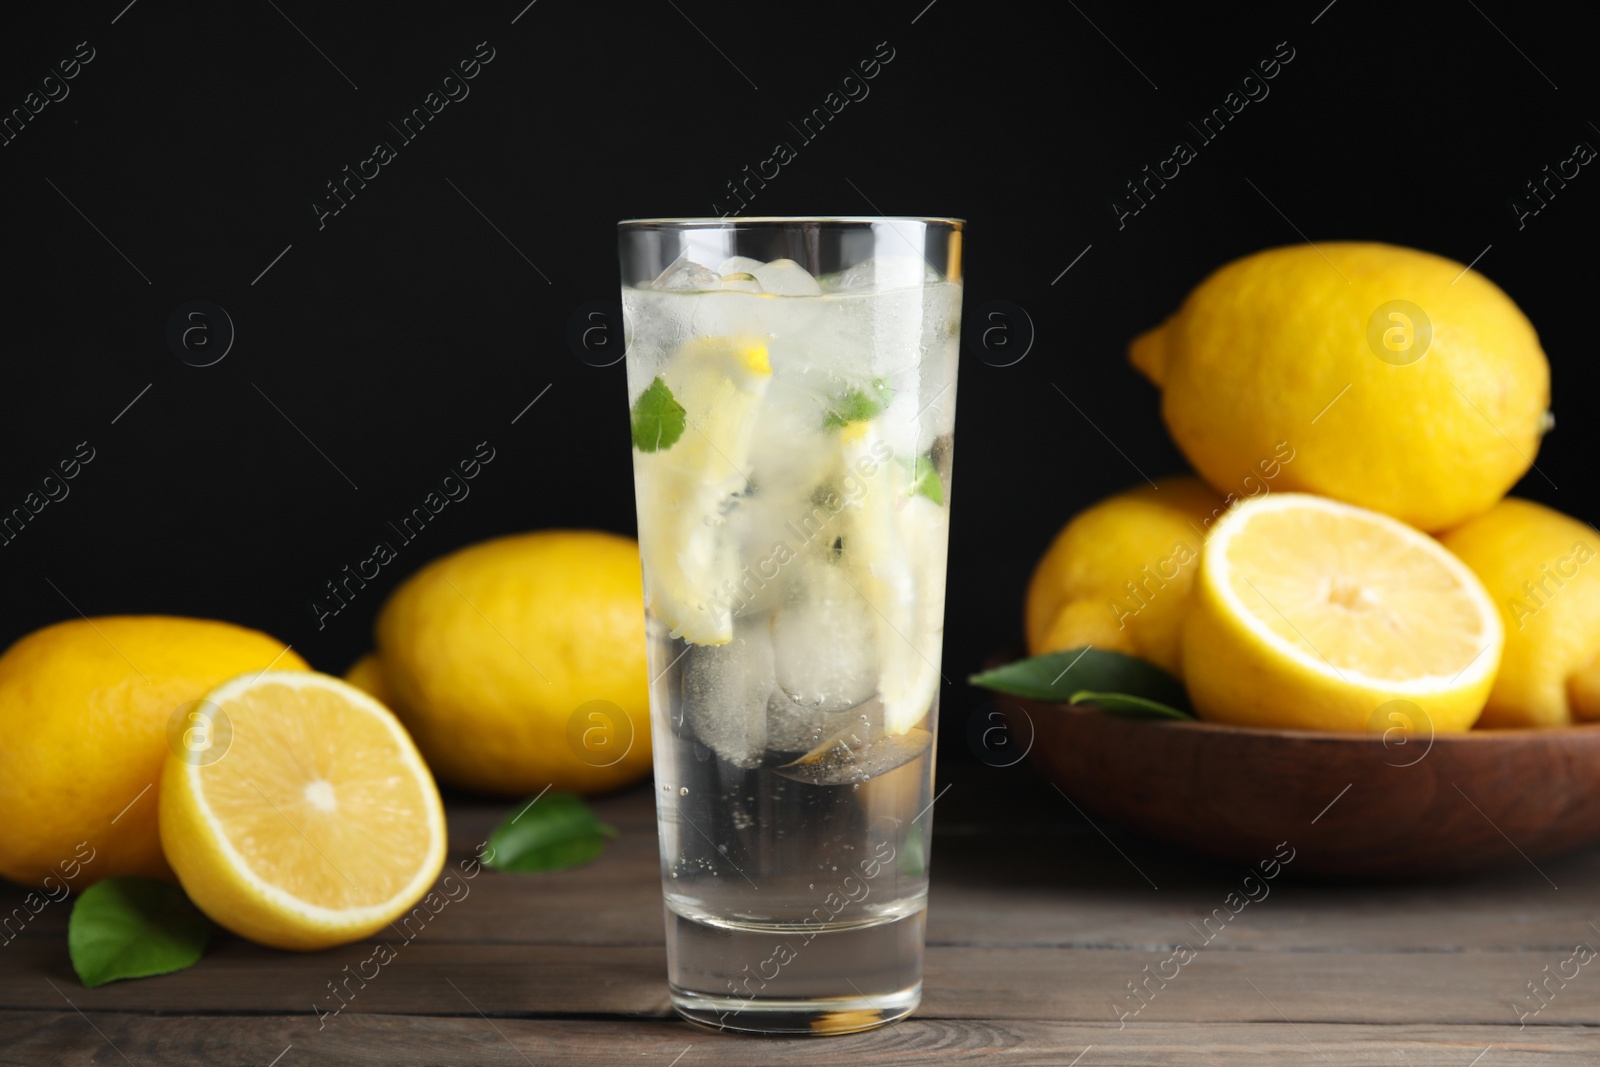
{"points": [[790, 979], [829, 1015]]}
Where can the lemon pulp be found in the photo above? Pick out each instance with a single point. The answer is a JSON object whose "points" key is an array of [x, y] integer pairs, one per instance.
{"points": [[319, 824]]}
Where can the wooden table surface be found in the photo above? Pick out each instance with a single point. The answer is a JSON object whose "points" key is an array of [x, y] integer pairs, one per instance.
{"points": [[1038, 921]]}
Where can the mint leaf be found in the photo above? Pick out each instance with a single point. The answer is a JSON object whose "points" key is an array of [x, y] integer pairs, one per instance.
{"points": [[925, 479], [658, 419], [914, 858], [548, 834], [858, 405], [1111, 681], [133, 928]]}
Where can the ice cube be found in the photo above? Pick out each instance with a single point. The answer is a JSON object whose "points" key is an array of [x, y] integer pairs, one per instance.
{"points": [[740, 265], [657, 325], [782, 277], [828, 345], [899, 426], [877, 334], [793, 730], [795, 452], [685, 275], [824, 640], [881, 272], [941, 339], [726, 312], [785, 277], [725, 693]]}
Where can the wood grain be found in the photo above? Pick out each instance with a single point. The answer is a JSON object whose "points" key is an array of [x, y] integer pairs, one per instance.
{"points": [[429, 1041], [1069, 889], [1038, 921], [1085, 985]]}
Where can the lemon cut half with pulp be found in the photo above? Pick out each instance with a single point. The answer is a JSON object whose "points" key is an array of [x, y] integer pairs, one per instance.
{"points": [[318, 824], [1317, 615]]}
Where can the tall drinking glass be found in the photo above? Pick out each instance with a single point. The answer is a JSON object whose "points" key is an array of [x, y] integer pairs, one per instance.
{"points": [[791, 383]]}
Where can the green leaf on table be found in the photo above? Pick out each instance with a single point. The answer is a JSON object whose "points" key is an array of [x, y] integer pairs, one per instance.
{"points": [[658, 419], [858, 405], [133, 928], [1112, 681], [549, 833]]}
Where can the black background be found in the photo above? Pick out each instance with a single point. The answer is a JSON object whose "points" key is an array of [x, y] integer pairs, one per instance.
{"points": [[414, 324]]}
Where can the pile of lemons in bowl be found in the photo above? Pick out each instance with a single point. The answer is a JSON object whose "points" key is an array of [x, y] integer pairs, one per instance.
{"points": [[1356, 414]]}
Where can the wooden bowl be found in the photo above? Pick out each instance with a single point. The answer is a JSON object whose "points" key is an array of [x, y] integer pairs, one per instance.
{"points": [[1350, 805]]}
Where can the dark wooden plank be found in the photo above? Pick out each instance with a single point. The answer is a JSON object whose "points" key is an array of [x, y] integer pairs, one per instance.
{"points": [[614, 901], [240, 977], [980, 898], [965, 983], [1037, 925], [1035, 888], [1032, 883], [68, 1039]]}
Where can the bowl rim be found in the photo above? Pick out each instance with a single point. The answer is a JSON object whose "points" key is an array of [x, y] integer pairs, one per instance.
{"points": [[1590, 730]]}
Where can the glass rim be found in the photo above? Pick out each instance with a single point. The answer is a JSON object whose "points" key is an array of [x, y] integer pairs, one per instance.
{"points": [[714, 222]]}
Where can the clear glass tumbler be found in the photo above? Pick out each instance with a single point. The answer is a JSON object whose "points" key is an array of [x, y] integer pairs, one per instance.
{"points": [[791, 383]]}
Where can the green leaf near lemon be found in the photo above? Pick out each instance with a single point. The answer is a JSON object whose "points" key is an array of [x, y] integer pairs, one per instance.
{"points": [[1111, 681], [133, 928], [548, 833]]}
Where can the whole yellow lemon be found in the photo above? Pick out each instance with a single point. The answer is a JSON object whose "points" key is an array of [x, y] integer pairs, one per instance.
{"points": [[1403, 382], [1541, 569], [367, 675], [88, 710], [1118, 574], [519, 663]]}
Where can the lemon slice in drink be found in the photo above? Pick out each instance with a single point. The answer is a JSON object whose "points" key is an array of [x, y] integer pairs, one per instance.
{"points": [[895, 546], [691, 560], [1318, 615], [319, 824]]}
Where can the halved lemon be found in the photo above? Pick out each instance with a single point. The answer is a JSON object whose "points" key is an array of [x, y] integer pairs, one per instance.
{"points": [[1317, 615], [317, 825]]}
